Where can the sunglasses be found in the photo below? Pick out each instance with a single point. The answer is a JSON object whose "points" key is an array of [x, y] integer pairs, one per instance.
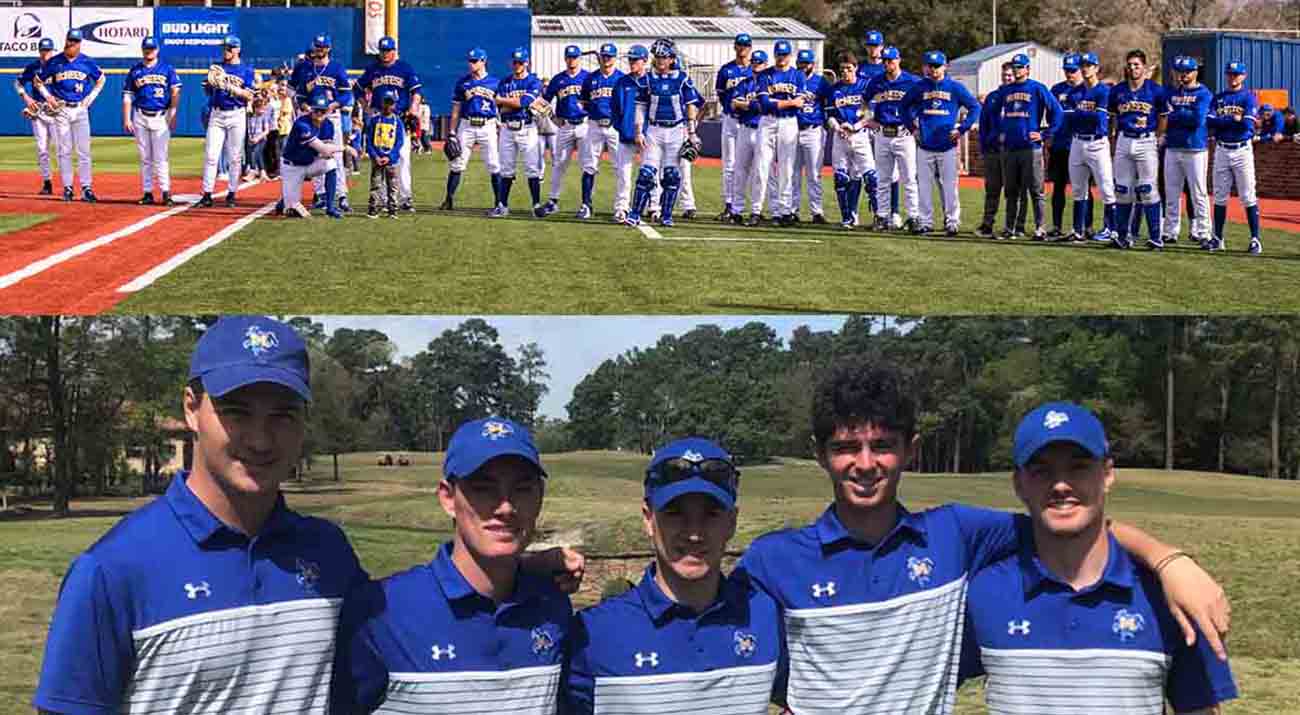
{"points": [[718, 471]]}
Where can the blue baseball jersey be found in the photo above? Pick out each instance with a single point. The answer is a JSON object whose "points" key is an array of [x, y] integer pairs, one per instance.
{"points": [[626, 93], [70, 79], [871, 70], [525, 89], [990, 123], [384, 136], [399, 76], [1025, 107], [1136, 111], [1090, 115], [886, 97], [666, 96], [598, 94], [731, 77], [151, 87], [1273, 125], [297, 148], [1233, 115], [1188, 110], [815, 91], [242, 76], [934, 108], [1112, 647], [641, 652], [28, 78], [1066, 96], [847, 102], [425, 641], [331, 77], [173, 611], [565, 90], [776, 84], [476, 97], [877, 628], [748, 91]]}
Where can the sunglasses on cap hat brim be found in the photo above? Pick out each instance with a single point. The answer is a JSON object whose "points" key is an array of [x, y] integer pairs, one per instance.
{"points": [[717, 471]]}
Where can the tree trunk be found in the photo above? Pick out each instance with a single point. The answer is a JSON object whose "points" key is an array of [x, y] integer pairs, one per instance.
{"points": [[956, 447], [1275, 421], [1224, 392], [1169, 400], [61, 467], [336, 466]]}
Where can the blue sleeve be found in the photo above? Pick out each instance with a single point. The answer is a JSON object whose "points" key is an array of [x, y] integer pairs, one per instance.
{"points": [[401, 139], [578, 689], [1054, 111], [1251, 111], [414, 80], [89, 652], [690, 95], [1197, 678], [173, 79], [967, 100], [94, 71], [971, 664], [369, 132], [360, 677], [988, 535], [458, 93]]}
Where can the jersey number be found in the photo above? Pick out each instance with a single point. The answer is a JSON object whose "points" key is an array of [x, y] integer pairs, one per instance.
{"points": [[385, 136], [78, 86]]}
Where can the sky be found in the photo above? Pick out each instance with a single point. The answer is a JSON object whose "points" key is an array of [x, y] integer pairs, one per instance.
{"points": [[573, 345]]}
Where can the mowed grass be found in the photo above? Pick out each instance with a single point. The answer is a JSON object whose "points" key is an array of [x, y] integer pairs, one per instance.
{"points": [[18, 222], [462, 262], [1242, 529]]}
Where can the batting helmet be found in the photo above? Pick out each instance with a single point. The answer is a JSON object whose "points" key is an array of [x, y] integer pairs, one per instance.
{"points": [[663, 47]]}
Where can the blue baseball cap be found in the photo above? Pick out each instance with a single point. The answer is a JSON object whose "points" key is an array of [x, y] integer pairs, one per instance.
{"points": [[758, 57], [1020, 60], [520, 54], [782, 47], [1265, 107], [319, 100], [1089, 58], [476, 55], [478, 442], [573, 51], [889, 53], [74, 35], [232, 41], [1070, 62], [387, 44], [383, 95], [1235, 67], [744, 39], [873, 37], [1186, 64], [806, 56], [660, 489], [241, 350], [46, 43], [321, 41], [638, 52], [935, 58], [608, 50], [1059, 422], [149, 43]]}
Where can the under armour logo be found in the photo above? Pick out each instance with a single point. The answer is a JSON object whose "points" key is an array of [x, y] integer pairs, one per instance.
{"points": [[1055, 419], [192, 591], [1015, 628], [826, 590], [642, 660], [449, 651]]}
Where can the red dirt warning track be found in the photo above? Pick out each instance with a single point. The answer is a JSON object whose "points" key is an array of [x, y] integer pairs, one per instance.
{"points": [[88, 283]]}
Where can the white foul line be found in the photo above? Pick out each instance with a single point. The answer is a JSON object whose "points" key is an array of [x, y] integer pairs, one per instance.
{"points": [[650, 233], [176, 261]]}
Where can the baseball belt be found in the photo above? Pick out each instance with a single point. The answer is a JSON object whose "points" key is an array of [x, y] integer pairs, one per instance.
{"points": [[1089, 137], [1233, 145], [515, 125], [478, 121], [894, 131], [1137, 135], [150, 113], [560, 122], [604, 123]]}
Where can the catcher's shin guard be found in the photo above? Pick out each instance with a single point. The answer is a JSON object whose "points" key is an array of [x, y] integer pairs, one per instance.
{"points": [[672, 184], [645, 183], [872, 185], [331, 189], [855, 196], [842, 182]]}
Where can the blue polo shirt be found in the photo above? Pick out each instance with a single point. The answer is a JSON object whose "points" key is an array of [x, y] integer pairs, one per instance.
{"points": [[425, 641], [642, 652], [172, 611], [1112, 647], [877, 628]]}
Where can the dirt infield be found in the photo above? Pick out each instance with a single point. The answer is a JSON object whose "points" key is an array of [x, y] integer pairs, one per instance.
{"points": [[76, 262]]}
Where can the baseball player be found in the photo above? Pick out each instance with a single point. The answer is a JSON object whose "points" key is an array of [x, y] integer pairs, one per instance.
{"points": [[730, 78], [1074, 573], [810, 153], [874, 66], [629, 118], [311, 151], [895, 148], [934, 109], [228, 122], [1187, 109], [687, 636], [686, 194], [321, 73], [1233, 121], [565, 92], [1271, 125], [991, 151], [1138, 106], [150, 97], [473, 123], [474, 630], [1090, 158], [748, 111], [1025, 103], [597, 99], [666, 110], [390, 71], [1058, 160], [851, 155], [37, 111], [519, 139], [781, 94], [385, 135], [71, 81], [215, 597]]}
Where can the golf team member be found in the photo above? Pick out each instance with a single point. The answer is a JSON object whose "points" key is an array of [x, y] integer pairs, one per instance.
{"points": [[214, 598], [687, 638], [872, 593], [309, 152], [72, 81], [731, 77], [1071, 608], [149, 101], [598, 101], [398, 76], [471, 631], [1187, 105], [934, 109], [43, 130], [228, 122]]}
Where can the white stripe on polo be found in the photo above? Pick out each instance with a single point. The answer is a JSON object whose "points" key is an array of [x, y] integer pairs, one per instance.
{"points": [[725, 691], [1075, 682], [523, 691]]}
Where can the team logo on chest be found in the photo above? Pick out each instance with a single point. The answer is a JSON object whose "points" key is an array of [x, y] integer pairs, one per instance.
{"points": [[194, 590], [1128, 625], [746, 644], [259, 342], [646, 660], [440, 652], [542, 641], [308, 573], [823, 590], [920, 570], [1018, 628]]}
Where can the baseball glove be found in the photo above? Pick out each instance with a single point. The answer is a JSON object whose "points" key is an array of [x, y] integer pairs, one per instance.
{"points": [[49, 108], [830, 76], [543, 116], [451, 148], [690, 149], [217, 78]]}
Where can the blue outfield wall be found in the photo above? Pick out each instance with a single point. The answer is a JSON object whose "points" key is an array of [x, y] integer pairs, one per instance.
{"points": [[433, 40]]}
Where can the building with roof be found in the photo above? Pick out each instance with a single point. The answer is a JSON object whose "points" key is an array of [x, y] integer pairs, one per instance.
{"points": [[981, 71]]}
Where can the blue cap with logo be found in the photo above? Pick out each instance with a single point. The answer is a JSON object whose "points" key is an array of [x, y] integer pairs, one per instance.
{"points": [[1020, 59], [46, 43], [889, 53], [1265, 107], [319, 101], [935, 58], [638, 52], [1070, 62], [232, 41], [758, 57], [693, 465], [478, 54], [384, 95], [1059, 422], [806, 57], [1236, 67], [75, 35], [573, 51], [1089, 58], [782, 47], [744, 39], [241, 350], [520, 54], [149, 43], [1186, 64], [322, 42], [608, 50], [873, 37], [478, 442], [387, 44]]}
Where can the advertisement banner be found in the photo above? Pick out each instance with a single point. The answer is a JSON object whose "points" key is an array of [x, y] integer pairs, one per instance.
{"points": [[374, 25], [112, 32], [21, 29], [193, 31]]}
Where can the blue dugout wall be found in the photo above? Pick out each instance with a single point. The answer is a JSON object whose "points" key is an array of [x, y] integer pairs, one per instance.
{"points": [[433, 40]]}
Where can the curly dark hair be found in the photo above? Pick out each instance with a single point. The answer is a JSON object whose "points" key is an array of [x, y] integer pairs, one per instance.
{"points": [[857, 391]]}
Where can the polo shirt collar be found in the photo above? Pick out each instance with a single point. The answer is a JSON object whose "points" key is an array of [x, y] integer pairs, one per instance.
{"points": [[1119, 571], [661, 607], [831, 531], [455, 586], [204, 527]]}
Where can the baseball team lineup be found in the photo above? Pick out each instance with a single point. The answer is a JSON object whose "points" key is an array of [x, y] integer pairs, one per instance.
{"points": [[893, 135]]}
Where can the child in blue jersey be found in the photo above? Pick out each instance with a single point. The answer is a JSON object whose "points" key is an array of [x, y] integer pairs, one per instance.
{"points": [[1233, 122], [687, 638], [934, 107], [731, 76], [1187, 109], [1138, 108], [385, 136], [1071, 608], [398, 75], [216, 597], [37, 112], [597, 100], [72, 81]]}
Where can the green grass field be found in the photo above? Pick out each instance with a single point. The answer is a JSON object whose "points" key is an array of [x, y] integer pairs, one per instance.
{"points": [[1242, 529], [461, 262], [17, 222]]}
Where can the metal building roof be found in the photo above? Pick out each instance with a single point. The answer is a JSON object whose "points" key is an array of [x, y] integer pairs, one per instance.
{"points": [[993, 51], [760, 28]]}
